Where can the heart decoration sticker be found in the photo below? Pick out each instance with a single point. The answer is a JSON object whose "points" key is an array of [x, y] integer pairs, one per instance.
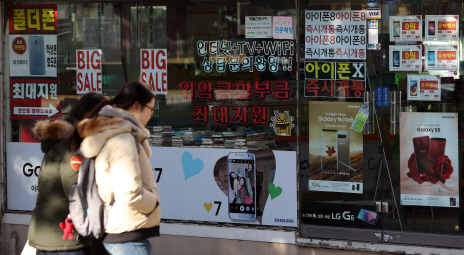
{"points": [[208, 206], [274, 191], [191, 166]]}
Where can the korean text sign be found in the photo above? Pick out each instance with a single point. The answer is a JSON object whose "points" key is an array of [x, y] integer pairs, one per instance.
{"points": [[335, 79], [258, 27], [405, 58], [441, 57], [33, 61], [442, 27], [424, 88], [335, 34], [429, 159], [88, 71], [405, 28], [282, 27], [153, 69]]}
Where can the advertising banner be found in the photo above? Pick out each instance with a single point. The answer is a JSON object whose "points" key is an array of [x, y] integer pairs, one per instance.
{"points": [[215, 185], [405, 58], [442, 27], [335, 35], [335, 150], [335, 79], [88, 71], [153, 69], [33, 61], [429, 171], [258, 27], [441, 58], [282, 27], [405, 28], [424, 88]]}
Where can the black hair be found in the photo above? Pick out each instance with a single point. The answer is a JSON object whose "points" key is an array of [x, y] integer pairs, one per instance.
{"points": [[231, 180], [132, 92]]}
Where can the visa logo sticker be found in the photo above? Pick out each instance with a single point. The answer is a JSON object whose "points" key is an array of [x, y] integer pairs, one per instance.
{"points": [[373, 13]]}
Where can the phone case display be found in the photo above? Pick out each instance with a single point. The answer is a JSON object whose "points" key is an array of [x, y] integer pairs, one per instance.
{"points": [[405, 28], [335, 150], [424, 87], [442, 27], [441, 57], [429, 159], [335, 35], [405, 58]]}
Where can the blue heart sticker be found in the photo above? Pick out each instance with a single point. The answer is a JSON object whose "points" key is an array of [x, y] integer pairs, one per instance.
{"points": [[191, 167]]}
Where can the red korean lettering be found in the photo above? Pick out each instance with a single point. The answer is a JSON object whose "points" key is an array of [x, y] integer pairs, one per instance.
{"points": [[259, 115], [200, 114], [205, 90], [282, 90], [221, 114], [262, 89], [241, 114], [224, 91], [186, 89], [243, 90]]}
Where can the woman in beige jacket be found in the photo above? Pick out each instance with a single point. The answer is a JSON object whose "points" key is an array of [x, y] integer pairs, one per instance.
{"points": [[117, 137]]}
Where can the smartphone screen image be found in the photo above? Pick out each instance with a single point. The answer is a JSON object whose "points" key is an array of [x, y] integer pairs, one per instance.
{"points": [[36, 55], [242, 182], [431, 58], [421, 150], [396, 29], [431, 27], [413, 88], [396, 58], [329, 149], [368, 216], [343, 154], [436, 150]]}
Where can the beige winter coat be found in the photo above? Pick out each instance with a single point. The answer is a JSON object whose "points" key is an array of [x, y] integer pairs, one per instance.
{"points": [[122, 172]]}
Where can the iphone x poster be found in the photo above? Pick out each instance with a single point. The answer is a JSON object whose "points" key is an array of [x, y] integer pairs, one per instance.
{"points": [[429, 163], [335, 150]]}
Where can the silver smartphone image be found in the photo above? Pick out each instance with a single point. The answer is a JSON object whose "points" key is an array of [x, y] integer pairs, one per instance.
{"points": [[329, 149], [241, 168], [36, 55], [343, 154]]}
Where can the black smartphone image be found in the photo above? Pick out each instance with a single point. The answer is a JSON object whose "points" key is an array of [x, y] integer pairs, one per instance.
{"points": [[343, 154], [396, 58], [368, 216], [396, 29], [413, 88], [431, 58], [329, 149], [431, 27], [421, 150], [436, 150], [36, 55]]}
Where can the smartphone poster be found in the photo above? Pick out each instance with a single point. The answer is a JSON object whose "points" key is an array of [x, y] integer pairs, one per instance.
{"points": [[255, 187], [405, 58], [424, 87], [441, 57], [405, 28], [33, 40], [335, 150], [441, 27], [429, 160]]}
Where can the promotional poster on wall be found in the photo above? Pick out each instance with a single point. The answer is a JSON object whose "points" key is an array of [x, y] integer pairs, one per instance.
{"points": [[443, 57], [335, 150], [405, 28], [442, 27], [429, 159], [405, 58], [424, 87], [233, 186]]}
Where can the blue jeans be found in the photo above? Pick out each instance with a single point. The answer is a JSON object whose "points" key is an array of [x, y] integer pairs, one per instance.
{"points": [[85, 251], [142, 247]]}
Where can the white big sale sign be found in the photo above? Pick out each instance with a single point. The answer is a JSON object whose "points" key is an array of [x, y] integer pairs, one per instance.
{"points": [[88, 71], [153, 69]]}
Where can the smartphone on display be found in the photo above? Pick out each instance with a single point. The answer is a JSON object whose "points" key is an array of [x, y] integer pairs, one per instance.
{"points": [[421, 150], [242, 182], [329, 149], [431, 27], [36, 55], [368, 216], [431, 58], [413, 88], [436, 149], [396, 58], [396, 29], [343, 154]]}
